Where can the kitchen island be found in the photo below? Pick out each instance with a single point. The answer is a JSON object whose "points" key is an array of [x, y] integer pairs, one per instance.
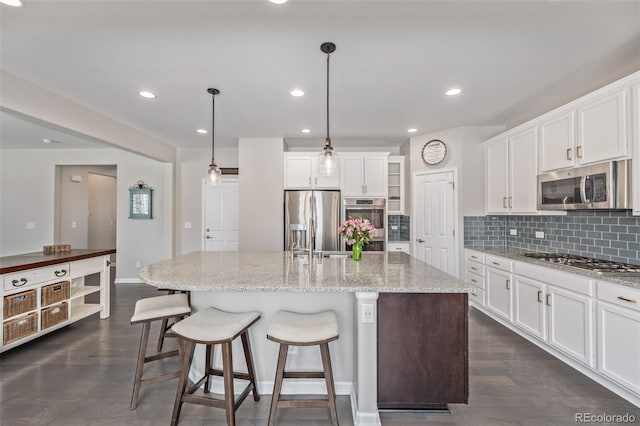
{"points": [[270, 281]]}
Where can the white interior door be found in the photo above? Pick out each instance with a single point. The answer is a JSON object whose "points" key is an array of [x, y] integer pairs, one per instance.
{"points": [[434, 213], [222, 217]]}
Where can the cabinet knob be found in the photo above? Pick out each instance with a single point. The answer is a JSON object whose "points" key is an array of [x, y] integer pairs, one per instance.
{"points": [[540, 296], [627, 299], [569, 154], [579, 151], [508, 283], [548, 299], [60, 273]]}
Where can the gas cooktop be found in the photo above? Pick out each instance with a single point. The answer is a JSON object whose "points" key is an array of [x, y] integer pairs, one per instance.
{"points": [[595, 265]]}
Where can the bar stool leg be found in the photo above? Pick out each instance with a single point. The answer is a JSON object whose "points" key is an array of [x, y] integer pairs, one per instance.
{"points": [[142, 350], [182, 381], [277, 385], [229, 396], [163, 330], [207, 366], [328, 375], [246, 346]]}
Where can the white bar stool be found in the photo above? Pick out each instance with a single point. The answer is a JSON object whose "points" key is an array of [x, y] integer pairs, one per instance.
{"points": [[293, 329], [211, 327], [148, 310]]}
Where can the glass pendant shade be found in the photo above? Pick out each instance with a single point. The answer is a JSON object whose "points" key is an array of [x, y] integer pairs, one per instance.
{"points": [[214, 175], [327, 162]]}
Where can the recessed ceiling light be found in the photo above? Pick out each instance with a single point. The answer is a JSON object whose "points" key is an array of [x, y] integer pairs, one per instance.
{"points": [[146, 94], [453, 92], [412, 130], [297, 93], [45, 140], [15, 3], [306, 130], [202, 131], [278, 1]]}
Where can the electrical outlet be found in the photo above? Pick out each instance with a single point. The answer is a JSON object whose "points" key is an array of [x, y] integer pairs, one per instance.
{"points": [[513, 232], [293, 350], [367, 313], [137, 264], [74, 224], [394, 227], [539, 234], [187, 225], [31, 225]]}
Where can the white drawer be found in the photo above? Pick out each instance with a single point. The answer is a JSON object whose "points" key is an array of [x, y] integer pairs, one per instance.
{"points": [[619, 295], [475, 256], [477, 296], [499, 262], [476, 280], [403, 247], [29, 277], [88, 266], [475, 268]]}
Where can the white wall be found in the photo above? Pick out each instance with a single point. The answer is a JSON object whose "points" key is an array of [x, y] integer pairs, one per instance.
{"points": [[27, 194], [192, 164], [261, 163], [464, 152]]}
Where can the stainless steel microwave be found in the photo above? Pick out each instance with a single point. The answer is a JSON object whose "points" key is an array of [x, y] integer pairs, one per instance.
{"points": [[597, 187]]}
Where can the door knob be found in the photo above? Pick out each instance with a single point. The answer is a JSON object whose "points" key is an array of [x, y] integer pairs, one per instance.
{"points": [[420, 240]]}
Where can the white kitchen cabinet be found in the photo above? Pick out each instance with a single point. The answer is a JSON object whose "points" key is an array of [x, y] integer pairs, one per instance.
{"points": [[498, 288], [512, 173], [556, 141], [529, 308], [635, 134], [395, 184], [476, 277], [602, 128], [364, 175], [590, 130], [571, 323], [619, 334], [301, 172]]}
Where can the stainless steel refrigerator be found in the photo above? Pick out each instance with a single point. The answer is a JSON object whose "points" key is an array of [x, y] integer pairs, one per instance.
{"points": [[307, 210]]}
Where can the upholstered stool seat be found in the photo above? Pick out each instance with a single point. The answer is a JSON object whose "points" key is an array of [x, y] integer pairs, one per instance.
{"points": [[146, 311], [210, 327], [294, 329]]}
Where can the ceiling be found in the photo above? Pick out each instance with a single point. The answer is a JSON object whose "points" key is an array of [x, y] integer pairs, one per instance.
{"points": [[394, 60]]}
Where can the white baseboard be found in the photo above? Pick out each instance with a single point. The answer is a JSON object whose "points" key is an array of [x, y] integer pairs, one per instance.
{"points": [[362, 419], [128, 281]]}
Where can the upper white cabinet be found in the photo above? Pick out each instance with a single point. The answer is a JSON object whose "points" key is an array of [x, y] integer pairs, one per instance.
{"points": [[395, 184], [511, 173], [301, 172], [557, 141], [590, 130], [635, 119], [364, 175]]}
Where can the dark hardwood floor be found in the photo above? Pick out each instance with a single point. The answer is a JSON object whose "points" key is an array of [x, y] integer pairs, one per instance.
{"points": [[82, 375]]}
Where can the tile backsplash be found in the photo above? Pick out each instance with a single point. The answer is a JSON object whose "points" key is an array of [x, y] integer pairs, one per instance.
{"points": [[401, 223], [610, 235]]}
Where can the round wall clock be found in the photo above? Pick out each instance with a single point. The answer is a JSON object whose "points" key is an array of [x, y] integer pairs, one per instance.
{"points": [[434, 152]]}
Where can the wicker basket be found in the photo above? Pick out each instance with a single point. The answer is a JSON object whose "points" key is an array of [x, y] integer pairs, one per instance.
{"points": [[19, 303], [18, 328], [53, 293], [54, 315]]}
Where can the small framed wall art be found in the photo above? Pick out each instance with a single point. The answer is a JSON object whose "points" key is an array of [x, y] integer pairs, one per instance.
{"points": [[140, 201], [434, 152]]}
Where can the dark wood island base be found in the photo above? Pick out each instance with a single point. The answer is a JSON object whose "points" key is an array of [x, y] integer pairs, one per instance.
{"points": [[423, 350]]}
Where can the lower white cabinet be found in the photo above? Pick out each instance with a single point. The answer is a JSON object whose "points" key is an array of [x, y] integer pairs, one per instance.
{"points": [[530, 313], [618, 313], [592, 325], [498, 285], [571, 323], [404, 247]]}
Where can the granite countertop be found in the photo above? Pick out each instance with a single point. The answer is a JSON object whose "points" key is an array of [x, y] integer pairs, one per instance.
{"points": [[280, 271], [630, 280], [21, 262]]}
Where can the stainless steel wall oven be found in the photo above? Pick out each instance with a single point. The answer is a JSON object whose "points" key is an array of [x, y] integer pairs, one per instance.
{"points": [[374, 209]]}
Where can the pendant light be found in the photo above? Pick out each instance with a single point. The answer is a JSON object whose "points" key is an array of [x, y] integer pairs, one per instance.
{"points": [[214, 174], [327, 159]]}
